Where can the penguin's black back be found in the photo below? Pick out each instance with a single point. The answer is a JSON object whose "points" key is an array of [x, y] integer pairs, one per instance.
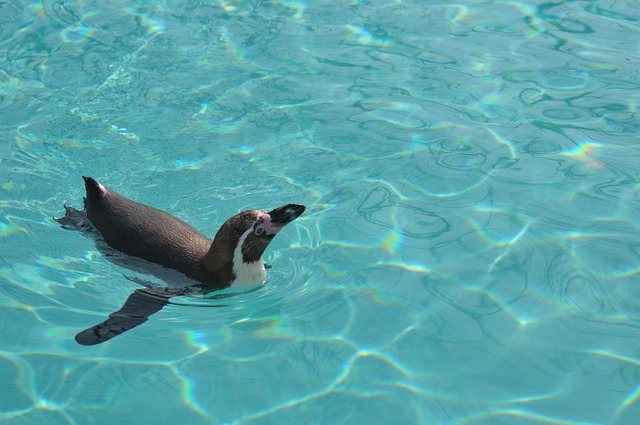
{"points": [[146, 232]]}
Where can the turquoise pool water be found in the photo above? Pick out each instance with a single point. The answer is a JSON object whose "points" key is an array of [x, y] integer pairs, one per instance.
{"points": [[471, 249]]}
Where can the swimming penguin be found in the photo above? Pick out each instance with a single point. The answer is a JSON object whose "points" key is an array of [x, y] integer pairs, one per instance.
{"points": [[232, 259]]}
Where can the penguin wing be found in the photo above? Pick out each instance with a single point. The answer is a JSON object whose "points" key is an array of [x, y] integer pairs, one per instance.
{"points": [[135, 311]]}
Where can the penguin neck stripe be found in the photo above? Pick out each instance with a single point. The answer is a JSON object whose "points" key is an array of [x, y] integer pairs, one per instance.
{"points": [[246, 273]]}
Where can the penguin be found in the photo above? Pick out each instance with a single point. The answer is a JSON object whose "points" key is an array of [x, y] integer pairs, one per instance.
{"points": [[233, 259]]}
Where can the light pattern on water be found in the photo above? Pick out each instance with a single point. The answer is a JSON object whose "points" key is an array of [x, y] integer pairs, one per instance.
{"points": [[470, 250]]}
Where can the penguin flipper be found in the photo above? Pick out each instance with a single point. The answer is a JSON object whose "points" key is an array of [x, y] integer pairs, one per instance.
{"points": [[135, 311]]}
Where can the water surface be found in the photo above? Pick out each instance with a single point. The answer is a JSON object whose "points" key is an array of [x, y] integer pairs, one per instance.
{"points": [[470, 253]]}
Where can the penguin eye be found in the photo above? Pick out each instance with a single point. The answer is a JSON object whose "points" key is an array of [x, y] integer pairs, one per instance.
{"points": [[258, 231]]}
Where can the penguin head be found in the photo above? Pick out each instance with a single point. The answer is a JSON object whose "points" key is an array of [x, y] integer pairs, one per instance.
{"points": [[257, 228], [239, 244]]}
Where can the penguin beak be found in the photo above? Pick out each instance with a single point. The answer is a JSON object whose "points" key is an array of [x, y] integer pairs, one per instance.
{"points": [[286, 214]]}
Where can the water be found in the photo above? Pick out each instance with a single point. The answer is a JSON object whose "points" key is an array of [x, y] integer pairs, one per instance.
{"points": [[470, 252]]}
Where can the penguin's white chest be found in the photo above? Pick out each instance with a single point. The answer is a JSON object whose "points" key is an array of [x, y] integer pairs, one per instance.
{"points": [[247, 274]]}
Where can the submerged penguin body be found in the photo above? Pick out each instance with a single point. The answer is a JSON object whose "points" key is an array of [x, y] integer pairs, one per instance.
{"points": [[232, 258]]}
